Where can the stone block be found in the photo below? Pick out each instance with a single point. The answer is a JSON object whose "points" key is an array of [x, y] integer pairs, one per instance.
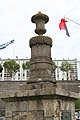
{"points": [[31, 115]]}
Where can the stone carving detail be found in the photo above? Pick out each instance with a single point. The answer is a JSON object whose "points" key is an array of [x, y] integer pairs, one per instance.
{"points": [[40, 31], [40, 19], [41, 59], [43, 73], [40, 16], [40, 40]]}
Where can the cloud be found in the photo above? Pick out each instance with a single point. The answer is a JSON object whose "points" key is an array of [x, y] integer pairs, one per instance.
{"points": [[15, 22]]}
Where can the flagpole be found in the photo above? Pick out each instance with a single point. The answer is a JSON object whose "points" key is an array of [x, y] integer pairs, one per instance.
{"points": [[72, 21], [13, 51], [70, 11]]}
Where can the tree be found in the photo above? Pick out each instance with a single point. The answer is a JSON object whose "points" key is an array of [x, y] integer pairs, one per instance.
{"points": [[11, 66], [26, 65], [66, 67], [1, 68], [77, 104], [54, 66]]}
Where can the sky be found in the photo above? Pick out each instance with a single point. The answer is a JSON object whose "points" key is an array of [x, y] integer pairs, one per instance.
{"points": [[15, 23]]}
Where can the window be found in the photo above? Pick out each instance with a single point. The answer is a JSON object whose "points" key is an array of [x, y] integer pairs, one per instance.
{"points": [[18, 76], [23, 74], [27, 73]]}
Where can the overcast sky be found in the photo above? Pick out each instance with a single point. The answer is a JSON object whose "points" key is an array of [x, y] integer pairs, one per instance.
{"points": [[15, 23]]}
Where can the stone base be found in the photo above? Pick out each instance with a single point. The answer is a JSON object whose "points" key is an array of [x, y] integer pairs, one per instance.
{"points": [[38, 85], [46, 103]]}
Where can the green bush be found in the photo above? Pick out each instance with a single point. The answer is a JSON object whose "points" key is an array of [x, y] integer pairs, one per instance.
{"points": [[77, 104]]}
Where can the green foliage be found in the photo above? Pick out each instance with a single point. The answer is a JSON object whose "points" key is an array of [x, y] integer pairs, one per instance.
{"points": [[26, 65], [77, 104], [11, 66], [54, 66], [1, 68], [65, 66]]}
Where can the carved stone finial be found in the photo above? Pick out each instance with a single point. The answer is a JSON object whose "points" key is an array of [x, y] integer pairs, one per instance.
{"points": [[40, 19]]}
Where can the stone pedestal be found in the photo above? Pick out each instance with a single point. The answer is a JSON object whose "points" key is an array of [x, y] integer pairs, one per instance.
{"points": [[41, 61], [40, 103]]}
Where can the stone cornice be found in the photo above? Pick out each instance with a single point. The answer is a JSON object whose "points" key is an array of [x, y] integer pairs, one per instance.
{"points": [[43, 93]]}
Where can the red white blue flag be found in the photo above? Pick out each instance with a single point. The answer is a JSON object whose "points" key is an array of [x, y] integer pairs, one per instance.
{"points": [[62, 26]]}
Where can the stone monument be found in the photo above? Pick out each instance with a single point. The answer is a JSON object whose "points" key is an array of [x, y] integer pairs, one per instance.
{"points": [[40, 98], [41, 61]]}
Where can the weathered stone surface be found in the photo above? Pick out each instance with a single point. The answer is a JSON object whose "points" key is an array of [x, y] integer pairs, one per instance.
{"points": [[40, 19], [41, 61], [31, 115], [17, 85], [50, 101], [8, 118], [39, 109], [42, 92], [42, 40]]}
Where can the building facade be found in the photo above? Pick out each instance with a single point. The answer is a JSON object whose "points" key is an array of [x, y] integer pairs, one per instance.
{"points": [[23, 75], [20, 75], [61, 75]]}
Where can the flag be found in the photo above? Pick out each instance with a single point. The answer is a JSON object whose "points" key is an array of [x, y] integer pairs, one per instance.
{"points": [[67, 33], [62, 26], [6, 44]]}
